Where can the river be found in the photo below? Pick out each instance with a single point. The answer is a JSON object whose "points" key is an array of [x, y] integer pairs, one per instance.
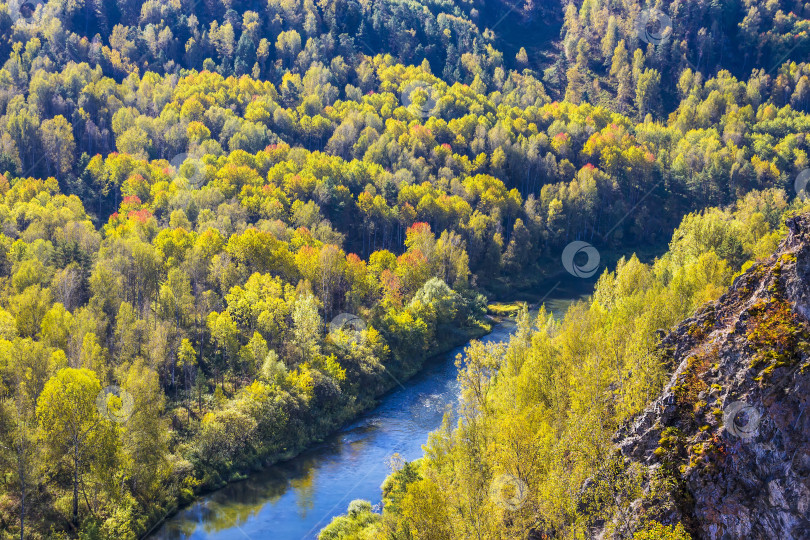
{"points": [[295, 499]]}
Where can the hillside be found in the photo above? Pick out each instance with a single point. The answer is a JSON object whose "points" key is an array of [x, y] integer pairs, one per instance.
{"points": [[195, 195], [537, 452], [730, 432]]}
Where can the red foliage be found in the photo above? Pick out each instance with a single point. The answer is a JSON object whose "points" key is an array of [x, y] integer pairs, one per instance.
{"points": [[131, 200], [141, 216], [419, 227], [413, 259]]}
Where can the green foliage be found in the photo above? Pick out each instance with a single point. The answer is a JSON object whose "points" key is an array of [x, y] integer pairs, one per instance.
{"points": [[657, 531], [777, 334], [215, 330], [611, 492], [191, 192], [548, 403], [360, 523], [611, 45]]}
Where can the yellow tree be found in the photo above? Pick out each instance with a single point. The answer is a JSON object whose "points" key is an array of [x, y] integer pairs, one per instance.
{"points": [[71, 426]]}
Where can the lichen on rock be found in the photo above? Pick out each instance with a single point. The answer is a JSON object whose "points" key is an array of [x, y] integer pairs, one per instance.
{"points": [[728, 439]]}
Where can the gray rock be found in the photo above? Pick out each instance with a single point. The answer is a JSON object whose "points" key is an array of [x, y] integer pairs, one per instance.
{"points": [[747, 473]]}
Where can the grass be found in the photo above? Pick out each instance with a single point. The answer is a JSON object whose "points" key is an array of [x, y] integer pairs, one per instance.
{"points": [[777, 334], [504, 309]]}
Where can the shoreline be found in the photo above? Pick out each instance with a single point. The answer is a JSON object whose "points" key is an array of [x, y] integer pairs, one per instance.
{"points": [[488, 324]]}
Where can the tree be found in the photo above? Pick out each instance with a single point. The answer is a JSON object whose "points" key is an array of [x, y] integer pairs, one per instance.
{"points": [[18, 447], [71, 426], [252, 355], [648, 92], [59, 145], [609, 41], [225, 334], [187, 358], [223, 39], [307, 327], [453, 261], [578, 74], [145, 433], [522, 58], [288, 45]]}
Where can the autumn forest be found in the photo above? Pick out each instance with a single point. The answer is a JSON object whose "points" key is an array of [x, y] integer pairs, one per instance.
{"points": [[197, 195]]}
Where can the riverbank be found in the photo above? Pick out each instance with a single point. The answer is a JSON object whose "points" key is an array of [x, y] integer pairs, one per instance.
{"points": [[451, 338], [295, 498], [296, 495], [559, 285]]}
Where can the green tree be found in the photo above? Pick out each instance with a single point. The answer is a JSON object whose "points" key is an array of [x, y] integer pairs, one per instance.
{"points": [[71, 426], [307, 327], [648, 92], [145, 433], [58, 143], [19, 452]]}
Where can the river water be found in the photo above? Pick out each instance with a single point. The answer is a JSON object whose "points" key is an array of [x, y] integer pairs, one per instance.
{"points": [[295, 499]]}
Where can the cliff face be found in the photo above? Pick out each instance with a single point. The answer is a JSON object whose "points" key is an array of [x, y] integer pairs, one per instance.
{"points": [[726, 447]]}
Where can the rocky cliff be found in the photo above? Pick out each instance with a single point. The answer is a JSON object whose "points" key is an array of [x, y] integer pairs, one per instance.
{"points": [[725, 449]]}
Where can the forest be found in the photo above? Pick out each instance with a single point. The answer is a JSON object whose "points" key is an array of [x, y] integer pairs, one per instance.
{"points": [[544, 407], [229, 227]]}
